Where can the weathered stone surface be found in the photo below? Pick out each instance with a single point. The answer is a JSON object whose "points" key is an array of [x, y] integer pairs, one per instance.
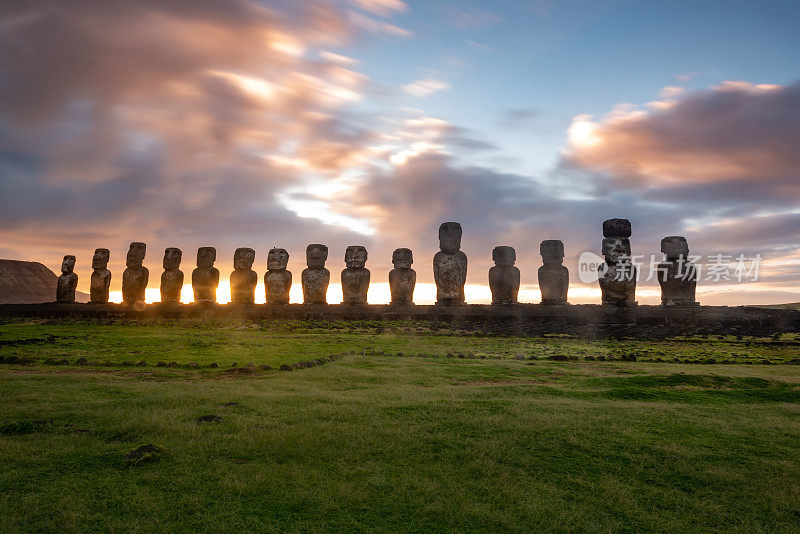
{"points": [[100, 281], [583, 320], [402, 279], [243, 278], [316, 277], [205, 278], [277, 280], [450, 266], [504, 276], [355, 278], [616, 228], [67, 282], [677, 276], [172, 277], [136, 276], [617, 276], [675, 247], [553, 276]]}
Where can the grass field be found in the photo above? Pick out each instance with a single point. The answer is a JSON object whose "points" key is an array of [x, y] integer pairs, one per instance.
{"points": [[456, 433]]}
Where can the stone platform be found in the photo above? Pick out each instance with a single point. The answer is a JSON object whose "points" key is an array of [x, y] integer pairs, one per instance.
{"points": [[584, 320]]}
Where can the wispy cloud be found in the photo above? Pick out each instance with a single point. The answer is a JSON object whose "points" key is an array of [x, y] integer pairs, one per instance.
{"points": [[425, 88]]}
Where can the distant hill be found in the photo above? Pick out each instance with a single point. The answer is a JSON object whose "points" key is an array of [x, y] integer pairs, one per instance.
{"points": [[29, 282]]}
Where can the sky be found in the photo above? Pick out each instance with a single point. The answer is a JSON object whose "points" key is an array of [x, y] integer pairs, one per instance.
{"points": [[234, 123]]}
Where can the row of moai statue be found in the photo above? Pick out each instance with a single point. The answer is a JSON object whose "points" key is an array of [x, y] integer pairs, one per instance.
{"points": [[617, 276]]}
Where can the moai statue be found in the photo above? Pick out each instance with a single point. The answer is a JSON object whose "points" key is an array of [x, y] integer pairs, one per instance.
{"points": [[316, 277], [136, 276], [101, 277], [355, 278], [277, 280], [243, 277], [553, 276], [172, 277], [450, 266], [504, 276], [618, 273], [677, 275], [402, 278], [205, 278], [67, 282]]}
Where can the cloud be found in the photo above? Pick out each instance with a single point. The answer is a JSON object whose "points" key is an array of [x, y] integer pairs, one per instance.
{"points": [[381, 7], [425, 88], [737, 133], [467, 18], [177, 123]]}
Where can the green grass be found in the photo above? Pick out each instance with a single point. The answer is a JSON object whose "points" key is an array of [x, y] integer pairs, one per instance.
{"points": [[375, 441]]}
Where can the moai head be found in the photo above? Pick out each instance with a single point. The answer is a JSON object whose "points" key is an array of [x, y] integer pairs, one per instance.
{"points": [[206, 256], [277, 259], [136, 253], [243, 258], [355, 256], [68, 264], [316, 255], [100, 258], [450, 237], [552, 251], [402, 258], [172, 258], [675, 247], [504, 255], [616, 249], [617, 228]]}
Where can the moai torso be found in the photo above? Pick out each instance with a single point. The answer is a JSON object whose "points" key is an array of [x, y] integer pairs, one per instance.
{"points": [[355, 278], [67, 282], [277, 280], [316, 277], [205, 278], [100, 281], [553, 276], [136, 276], [504, 276], [617, 275], [402, 278], [677, 275], [450, 266], [172, 277], [243, 277]]}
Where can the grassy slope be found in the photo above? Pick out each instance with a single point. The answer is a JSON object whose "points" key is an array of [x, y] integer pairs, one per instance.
{"points": [[290, 341], [397, 443]]}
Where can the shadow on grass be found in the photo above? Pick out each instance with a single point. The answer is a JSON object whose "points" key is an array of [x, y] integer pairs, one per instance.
{"points": [[678, 387]]}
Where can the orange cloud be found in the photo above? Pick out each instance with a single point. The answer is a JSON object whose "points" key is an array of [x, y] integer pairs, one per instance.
{"points": [[734, 131]]}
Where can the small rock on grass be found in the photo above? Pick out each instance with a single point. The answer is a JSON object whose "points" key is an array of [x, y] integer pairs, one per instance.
{"points": [[161, 364], [229, 404], [210, 418], [285, 367], [213, 365], [145, 453]]}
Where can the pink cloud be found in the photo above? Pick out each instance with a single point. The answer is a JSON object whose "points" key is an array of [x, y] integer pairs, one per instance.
{"points": [[736, 131]]}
